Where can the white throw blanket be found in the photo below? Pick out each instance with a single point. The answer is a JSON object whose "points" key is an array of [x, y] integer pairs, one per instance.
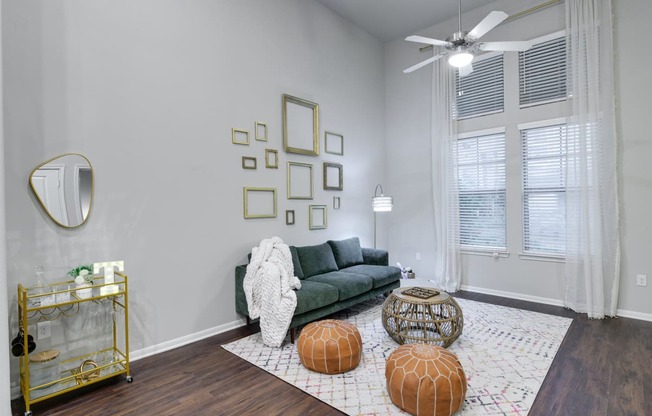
{"points": [[268, 288]]}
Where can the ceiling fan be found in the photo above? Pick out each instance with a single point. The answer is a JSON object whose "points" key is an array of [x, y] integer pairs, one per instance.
{"points": [[461, 46]]}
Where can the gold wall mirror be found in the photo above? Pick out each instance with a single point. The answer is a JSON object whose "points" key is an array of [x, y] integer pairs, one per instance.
{"points": [[69, 205], [300, 126]]}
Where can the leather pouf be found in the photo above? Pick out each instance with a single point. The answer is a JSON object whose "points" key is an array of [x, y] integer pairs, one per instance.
{"points": [[425, 380], [330, 346]]}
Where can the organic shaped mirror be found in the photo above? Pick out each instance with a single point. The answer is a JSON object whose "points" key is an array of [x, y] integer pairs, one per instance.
{"points": [[64, 186]]}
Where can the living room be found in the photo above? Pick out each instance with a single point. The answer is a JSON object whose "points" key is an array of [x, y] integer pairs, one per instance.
{"points": [[136, 86]]}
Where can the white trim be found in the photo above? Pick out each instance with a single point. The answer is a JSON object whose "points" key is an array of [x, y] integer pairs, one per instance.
{"points": [[549, 301], [513, 295], [634, 315], [479, 133], [542, 257], [184, 340], [542, 123], [481, 252], [486, 55], [550, 36]]}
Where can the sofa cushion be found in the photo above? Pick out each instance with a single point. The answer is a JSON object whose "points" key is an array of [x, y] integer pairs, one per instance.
{"points": [[316, 259], [298, 271], [381, 275], [314, 295], [347, 252], [348, 284]]}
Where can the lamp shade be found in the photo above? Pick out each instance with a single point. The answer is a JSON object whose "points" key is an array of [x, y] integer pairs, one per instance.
{"points": [[460, 59], [383, 203]]}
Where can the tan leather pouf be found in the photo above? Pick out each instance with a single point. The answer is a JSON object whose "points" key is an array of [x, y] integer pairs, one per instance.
{"points": [[425, 380], [330, 346]]}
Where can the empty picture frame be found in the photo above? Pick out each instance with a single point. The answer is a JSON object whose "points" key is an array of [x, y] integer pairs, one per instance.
{"points": [[249, 162], [261, 131], [333, 143], [336, 202], [317, 217], [239, 136], [289, 217], [271, 158], [333, 177], [259, 202], [299, 180], [300, 126]]}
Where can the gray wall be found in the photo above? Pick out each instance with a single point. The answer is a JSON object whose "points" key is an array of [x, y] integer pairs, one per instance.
{"points": [[408, 138], [149, 90]]}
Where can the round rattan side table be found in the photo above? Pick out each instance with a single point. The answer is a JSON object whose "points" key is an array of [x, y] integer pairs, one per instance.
{"points": [[414, 315]]}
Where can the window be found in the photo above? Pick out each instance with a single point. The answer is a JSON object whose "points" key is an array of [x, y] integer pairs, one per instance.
{"points": [[542, 71], [482, 91], [544, 196], [481, 187]]}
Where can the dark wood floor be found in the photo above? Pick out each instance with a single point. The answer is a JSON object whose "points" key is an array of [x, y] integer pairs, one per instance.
{"points": [[603, 367]]}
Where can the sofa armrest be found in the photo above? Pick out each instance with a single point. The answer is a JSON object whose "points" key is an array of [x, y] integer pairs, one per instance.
{"points": [[240, 298], [375, 256]]}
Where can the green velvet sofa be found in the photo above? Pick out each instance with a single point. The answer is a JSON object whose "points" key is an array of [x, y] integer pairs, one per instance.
{"points": [[334, 276]]}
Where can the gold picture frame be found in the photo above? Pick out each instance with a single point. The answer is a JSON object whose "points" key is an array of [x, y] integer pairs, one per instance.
{"points": [[261, 131], [333, 176], [289, 217], [271, 158], [300, 126], [249, 162], [317, 217], [299, 180], [333, 143], [240, 136], [259, 202]]}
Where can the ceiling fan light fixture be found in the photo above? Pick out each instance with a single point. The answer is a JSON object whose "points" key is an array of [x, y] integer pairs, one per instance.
{"points": [[460, 59]]}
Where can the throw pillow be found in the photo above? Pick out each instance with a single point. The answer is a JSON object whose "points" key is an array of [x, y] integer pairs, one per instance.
{"points": [[298, 272], [347, 252], [316, 259]]}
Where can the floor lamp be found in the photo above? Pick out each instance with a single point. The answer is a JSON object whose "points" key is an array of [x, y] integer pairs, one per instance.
{"points": [[380, 203]]}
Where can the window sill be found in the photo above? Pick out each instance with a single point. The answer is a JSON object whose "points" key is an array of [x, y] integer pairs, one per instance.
{"points": [[486, 253], [542, 257]]}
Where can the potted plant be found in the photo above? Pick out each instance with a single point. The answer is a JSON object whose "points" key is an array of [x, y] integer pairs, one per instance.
{"points": [[83, 275]]}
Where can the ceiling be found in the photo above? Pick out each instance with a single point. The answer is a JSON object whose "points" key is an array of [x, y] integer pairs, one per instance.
{"points": [[391, 19]]}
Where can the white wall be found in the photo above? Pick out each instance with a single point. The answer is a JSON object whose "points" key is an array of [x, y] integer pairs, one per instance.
{"points": [[149, 90], [408, 137]]}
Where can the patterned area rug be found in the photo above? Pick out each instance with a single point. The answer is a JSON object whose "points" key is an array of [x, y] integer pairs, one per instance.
{"points": [[505, 353]]}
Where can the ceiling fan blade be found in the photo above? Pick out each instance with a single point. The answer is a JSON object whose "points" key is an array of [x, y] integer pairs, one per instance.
{"points": [[422, 64], [506, 46], [492, 20], [465, 70], [429, 41]]}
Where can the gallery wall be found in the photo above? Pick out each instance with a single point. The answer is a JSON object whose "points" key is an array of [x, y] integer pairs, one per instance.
{"points": [[408, 138], [149, 91]]}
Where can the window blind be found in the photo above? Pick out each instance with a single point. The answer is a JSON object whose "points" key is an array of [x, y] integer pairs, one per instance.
{"points": [[544, 196], [542, 73], [481, 92], [481, 187]]}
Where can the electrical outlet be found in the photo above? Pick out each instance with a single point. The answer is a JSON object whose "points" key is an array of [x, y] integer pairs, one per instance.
{"points": [[43, 329], [418, 256], [641, 280]]}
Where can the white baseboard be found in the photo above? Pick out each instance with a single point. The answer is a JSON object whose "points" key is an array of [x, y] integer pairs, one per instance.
{"points": [[184, 340], [513, 295], [634, 315], [548, 301]]}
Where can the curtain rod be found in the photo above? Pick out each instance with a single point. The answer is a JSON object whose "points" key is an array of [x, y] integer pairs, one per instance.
{"points": [[514, 16]]}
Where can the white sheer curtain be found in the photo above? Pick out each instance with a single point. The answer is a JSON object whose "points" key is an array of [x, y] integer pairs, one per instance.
{"points": [[444, 179], [592, 241]]}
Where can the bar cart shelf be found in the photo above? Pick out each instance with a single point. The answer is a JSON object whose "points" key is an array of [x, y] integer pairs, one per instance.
{"points": [[63, 300]]}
